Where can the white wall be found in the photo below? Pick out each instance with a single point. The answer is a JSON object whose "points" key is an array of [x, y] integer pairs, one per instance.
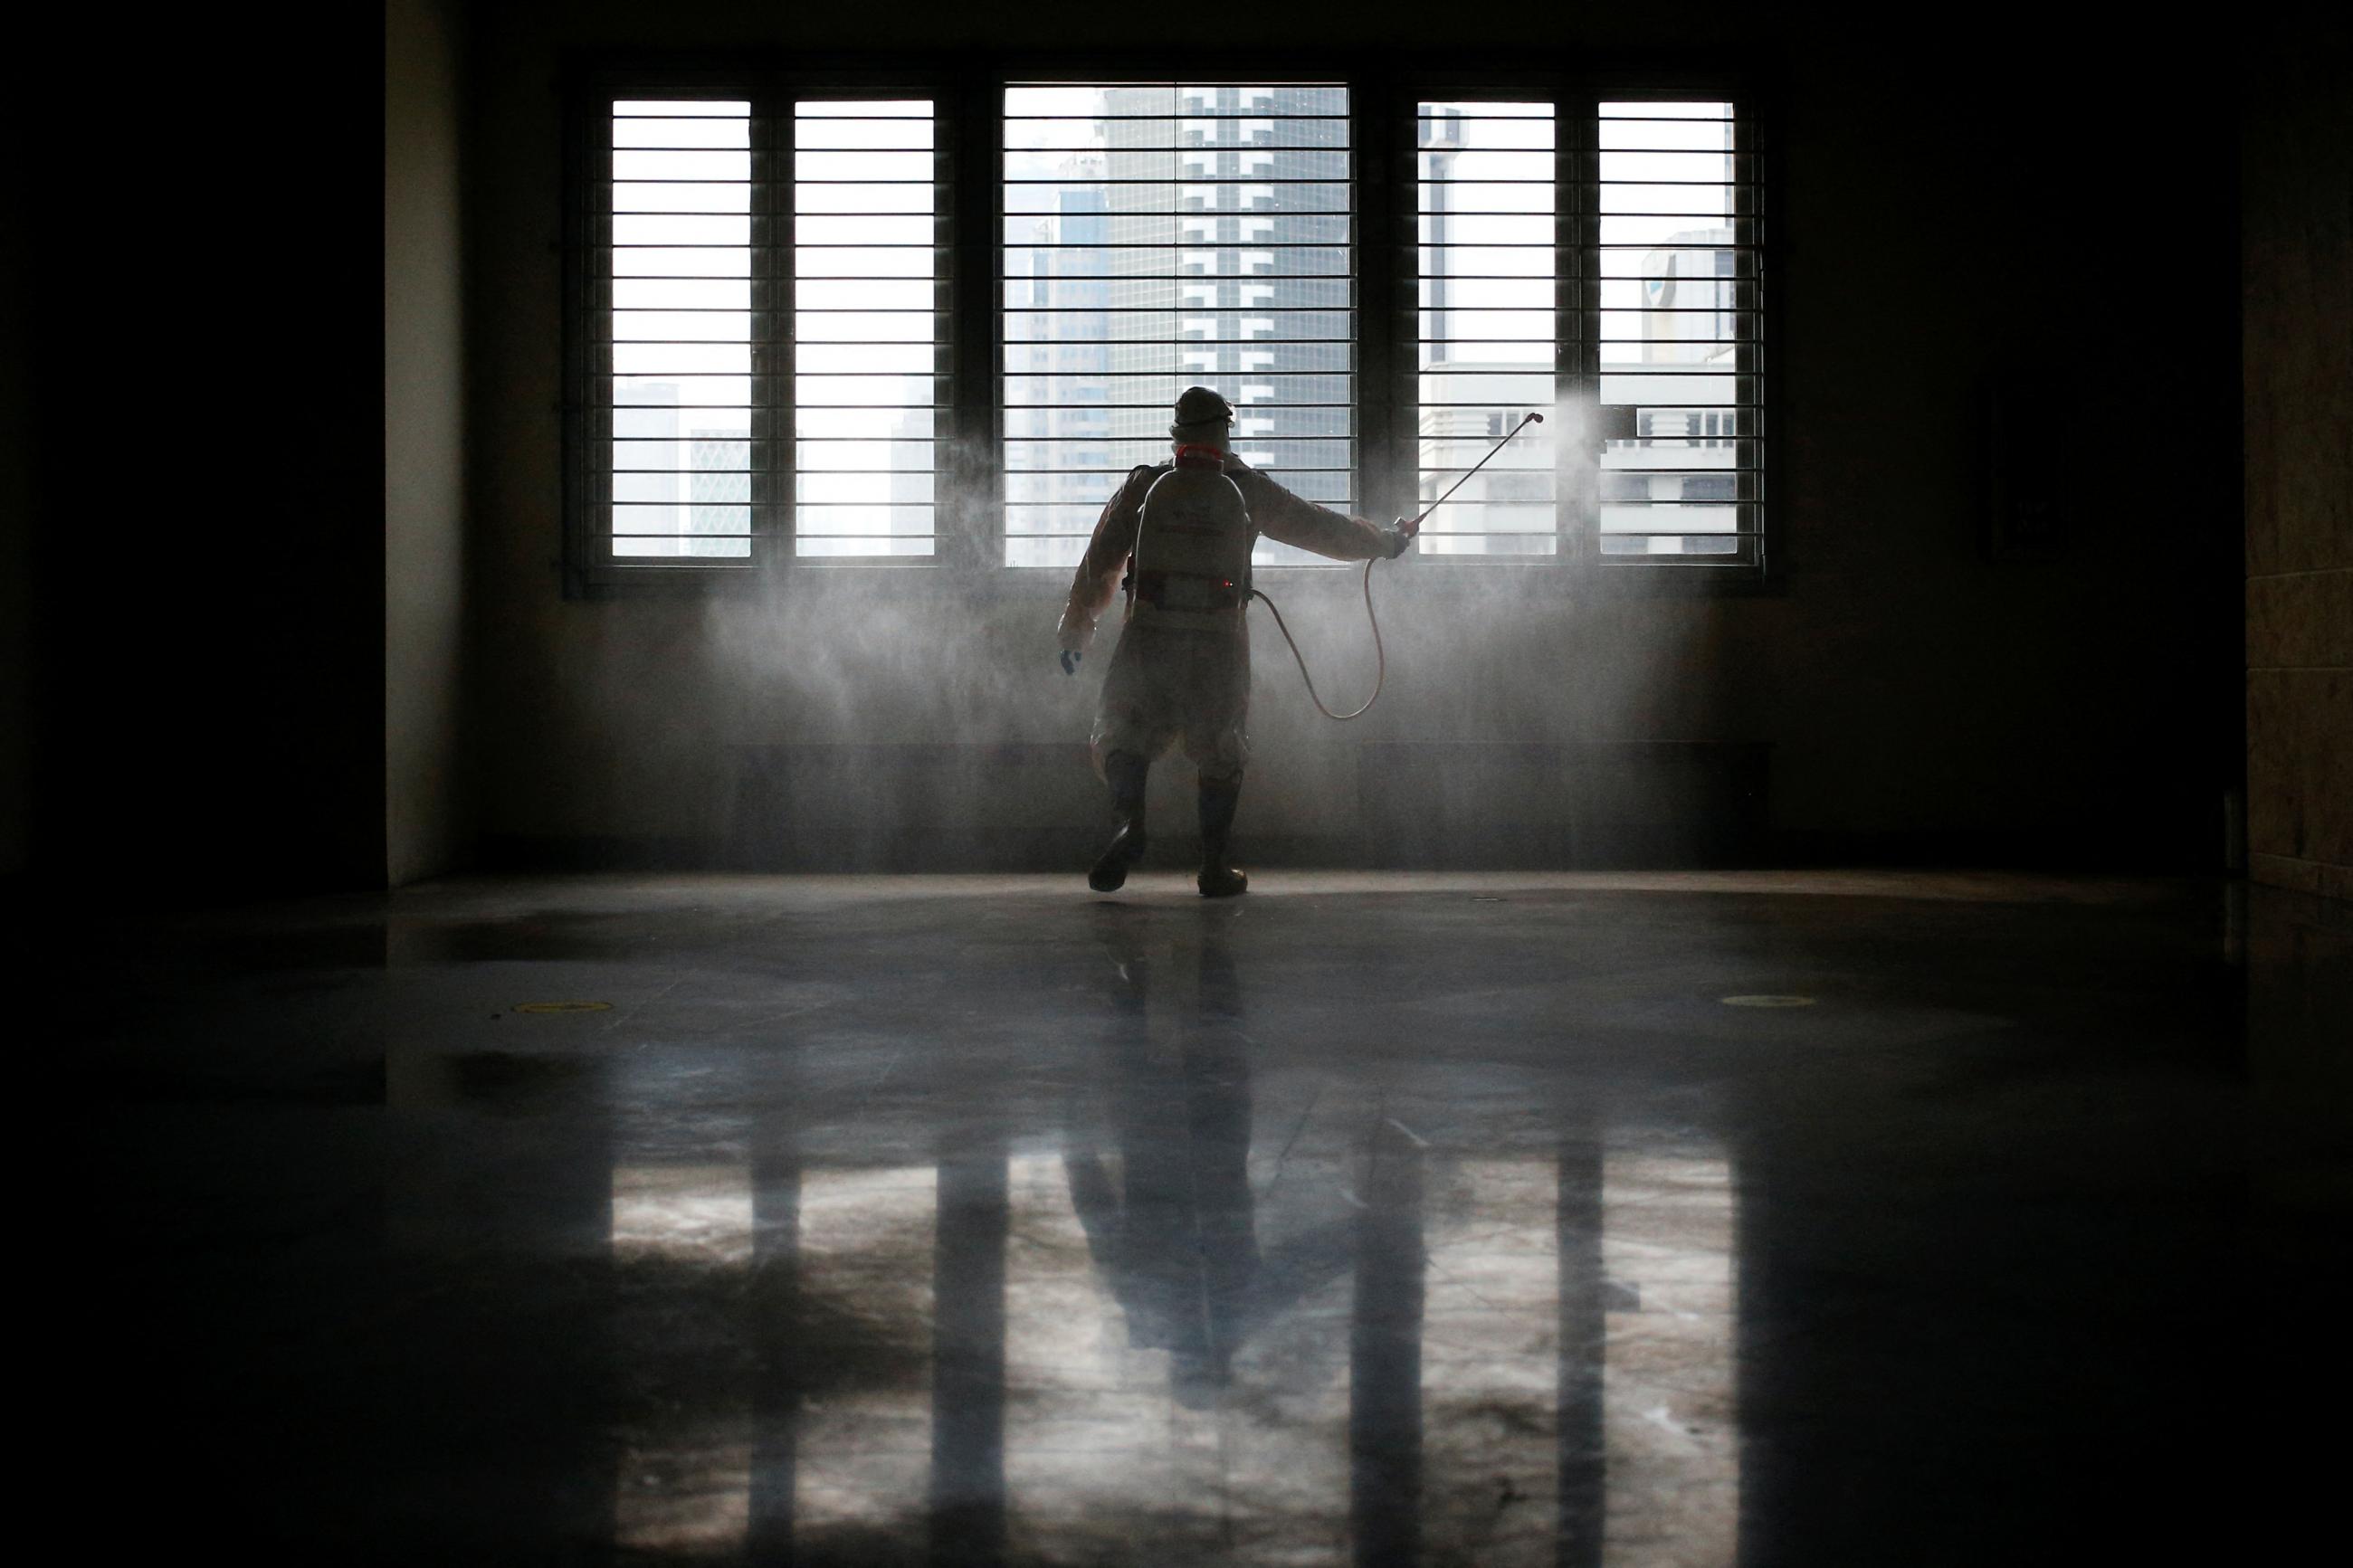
{"points": [[424, 442]]}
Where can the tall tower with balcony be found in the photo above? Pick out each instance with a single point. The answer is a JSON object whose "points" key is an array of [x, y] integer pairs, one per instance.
{"points": [[1260, 263]]}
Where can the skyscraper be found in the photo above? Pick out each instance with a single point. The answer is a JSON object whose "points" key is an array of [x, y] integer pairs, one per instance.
{"points": [[1195, 235], [1057, 329]]}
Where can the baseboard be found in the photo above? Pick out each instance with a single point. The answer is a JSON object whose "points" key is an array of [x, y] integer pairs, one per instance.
{"points": [[574, 853]]}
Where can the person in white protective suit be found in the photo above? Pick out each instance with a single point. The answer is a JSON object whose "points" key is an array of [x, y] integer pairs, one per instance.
{"points": [[1178, 536]]}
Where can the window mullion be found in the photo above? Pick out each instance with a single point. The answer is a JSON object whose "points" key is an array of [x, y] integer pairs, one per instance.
{"points": [[1577, 228], [775, 466], [1381, 422], [1372, 315], [972, 241], [1748, 357], [1405, 245], [589, 373]]}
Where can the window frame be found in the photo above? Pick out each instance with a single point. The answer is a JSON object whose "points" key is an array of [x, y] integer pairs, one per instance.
{"points": [[969, 95]]}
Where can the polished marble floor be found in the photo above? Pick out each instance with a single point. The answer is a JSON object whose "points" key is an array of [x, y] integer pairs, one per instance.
{"points": [[1673, 1221]]}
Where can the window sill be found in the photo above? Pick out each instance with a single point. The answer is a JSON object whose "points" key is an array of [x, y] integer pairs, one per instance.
{"points": [[943, 581]]}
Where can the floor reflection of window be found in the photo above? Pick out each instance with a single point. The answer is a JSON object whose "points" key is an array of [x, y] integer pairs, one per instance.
{"points": [[861, 1336], [683, 1214], [864, 1442], [1490, 1348], [1285, 1427], [1109, 1444], [1092, 1434], [685, 1489], [1673, 1477]]}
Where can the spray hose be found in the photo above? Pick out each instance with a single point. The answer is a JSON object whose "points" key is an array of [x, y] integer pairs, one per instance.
{"points": [[1381, 655]]}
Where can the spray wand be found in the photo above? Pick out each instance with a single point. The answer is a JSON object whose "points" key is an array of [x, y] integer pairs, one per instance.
{"points": [[1381, 655]]}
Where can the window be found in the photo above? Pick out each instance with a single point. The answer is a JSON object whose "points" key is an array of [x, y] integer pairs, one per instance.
{"points": [[1159, 236], [1488, 339], [869, 366], [778, 346], [1679, 339], [680, 410], [730, 341]]}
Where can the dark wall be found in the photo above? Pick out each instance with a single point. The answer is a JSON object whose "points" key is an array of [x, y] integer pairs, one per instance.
{"points": [[206, 393], [2298, 185], [2034, 214], [16, 550]]}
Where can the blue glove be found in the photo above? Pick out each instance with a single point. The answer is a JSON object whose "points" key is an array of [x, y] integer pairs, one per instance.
{"points": [[1070, 658]]}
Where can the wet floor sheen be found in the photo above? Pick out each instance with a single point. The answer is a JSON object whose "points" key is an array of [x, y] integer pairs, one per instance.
{"points": [[1638, 1222]]}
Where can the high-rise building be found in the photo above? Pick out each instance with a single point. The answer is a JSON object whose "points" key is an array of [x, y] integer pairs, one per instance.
{"points": [[1190, 235], [1262, 233], [1059, 330]]}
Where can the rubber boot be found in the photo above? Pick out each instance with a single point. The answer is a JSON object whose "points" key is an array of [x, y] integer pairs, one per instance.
{"points": [[1126, 773], [1218, 878]]}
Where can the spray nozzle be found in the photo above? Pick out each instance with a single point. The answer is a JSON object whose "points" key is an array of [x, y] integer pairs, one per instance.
{"points": [[1532, 418]]}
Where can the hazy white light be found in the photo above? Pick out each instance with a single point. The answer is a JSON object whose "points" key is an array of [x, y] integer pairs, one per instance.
{"points": [[689, 1214], [1669, 1370], [1491, 1360], [685, 1490], [863, 1450]]}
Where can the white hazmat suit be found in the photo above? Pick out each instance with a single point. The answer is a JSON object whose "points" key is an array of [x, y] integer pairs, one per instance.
{"points": [[1179, 536]]}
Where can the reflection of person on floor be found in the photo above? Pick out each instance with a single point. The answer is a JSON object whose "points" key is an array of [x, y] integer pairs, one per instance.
{"points": [[1175, 1234], [1175, 1231]]}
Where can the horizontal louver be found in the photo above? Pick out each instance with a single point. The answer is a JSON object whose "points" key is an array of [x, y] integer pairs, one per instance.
{"points": [[761, 353], [870, 360], [679, 387], [1487, 347], [1679, 333]]}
